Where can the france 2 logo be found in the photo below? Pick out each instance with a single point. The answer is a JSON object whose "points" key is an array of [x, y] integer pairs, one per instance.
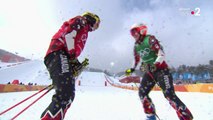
{"points": [[196, 12]]}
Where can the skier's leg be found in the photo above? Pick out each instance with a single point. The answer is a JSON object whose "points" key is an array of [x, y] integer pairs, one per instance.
{"points": [[165, 81], [146, 86], [64, 84]]}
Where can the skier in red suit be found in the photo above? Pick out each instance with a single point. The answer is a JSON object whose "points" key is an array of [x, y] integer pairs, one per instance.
{"points": [[149, 52], [62, 62]]}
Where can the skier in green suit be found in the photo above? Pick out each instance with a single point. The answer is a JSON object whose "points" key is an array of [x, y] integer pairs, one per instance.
{"points": [[156, 71]]}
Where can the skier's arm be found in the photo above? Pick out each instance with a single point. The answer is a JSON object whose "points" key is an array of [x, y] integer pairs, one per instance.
{"points": [[155, 45], [136, 61], [74, 25]]}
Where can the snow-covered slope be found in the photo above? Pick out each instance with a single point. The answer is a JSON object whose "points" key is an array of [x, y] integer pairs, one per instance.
{"points": [[92, 79], [93, 100], [108, 103], [29, 71]]}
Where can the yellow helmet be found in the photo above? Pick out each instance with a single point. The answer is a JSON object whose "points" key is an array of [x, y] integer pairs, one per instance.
{"points": [[91, 18]]}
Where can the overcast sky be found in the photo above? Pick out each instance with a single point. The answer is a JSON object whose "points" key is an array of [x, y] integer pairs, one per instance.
{"points": [[26, 27]]}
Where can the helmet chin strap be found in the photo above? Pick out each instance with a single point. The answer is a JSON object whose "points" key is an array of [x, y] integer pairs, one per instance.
{"points": [[141, 37], [91, 28]]}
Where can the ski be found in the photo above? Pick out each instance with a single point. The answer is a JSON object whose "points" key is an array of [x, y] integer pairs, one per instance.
{"points": [[49, 87], [42, 95]]}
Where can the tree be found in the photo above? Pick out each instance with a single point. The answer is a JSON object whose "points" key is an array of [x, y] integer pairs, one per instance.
{"points": [[211, 62]]}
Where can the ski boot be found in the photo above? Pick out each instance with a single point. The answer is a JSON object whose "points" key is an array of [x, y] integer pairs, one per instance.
{"points": [[150, 117], [184, 114]]}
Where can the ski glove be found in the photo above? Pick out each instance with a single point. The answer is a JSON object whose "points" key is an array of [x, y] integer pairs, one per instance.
{"points": [[147, 67], [78, 67], [129, 71]]}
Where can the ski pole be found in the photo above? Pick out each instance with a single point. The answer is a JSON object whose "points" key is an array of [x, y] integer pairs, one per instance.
{"points": [[150, 74], [136, 85], [24, 100], [51, 87], [134, 82]]}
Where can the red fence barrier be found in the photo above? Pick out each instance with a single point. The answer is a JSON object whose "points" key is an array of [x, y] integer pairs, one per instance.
{"points": [[17, 88]]}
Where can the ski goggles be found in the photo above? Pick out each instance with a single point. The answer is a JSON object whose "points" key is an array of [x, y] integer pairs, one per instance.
{"points": [[134, 32]]}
